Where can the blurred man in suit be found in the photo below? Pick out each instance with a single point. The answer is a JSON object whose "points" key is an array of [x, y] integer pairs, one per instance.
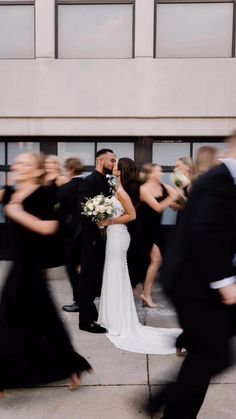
{"points": [[71, 226], [198, 276]]}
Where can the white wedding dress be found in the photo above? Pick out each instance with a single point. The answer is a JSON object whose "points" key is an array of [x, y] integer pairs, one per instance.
{"points": [[117, 311]]}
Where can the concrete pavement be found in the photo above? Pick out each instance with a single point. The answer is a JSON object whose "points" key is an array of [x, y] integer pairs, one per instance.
{"points": [[120, 379]]}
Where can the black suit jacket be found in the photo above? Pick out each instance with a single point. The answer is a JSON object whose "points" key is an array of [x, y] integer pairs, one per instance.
{"points": [[205, 240], [92, 185], [68, 213]]}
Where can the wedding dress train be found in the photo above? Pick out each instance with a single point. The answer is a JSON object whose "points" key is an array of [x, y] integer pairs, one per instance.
{"points": [[117, 311]]}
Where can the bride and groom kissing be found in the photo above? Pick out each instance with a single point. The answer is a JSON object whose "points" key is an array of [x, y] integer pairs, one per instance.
{"points": [[104, 269]]}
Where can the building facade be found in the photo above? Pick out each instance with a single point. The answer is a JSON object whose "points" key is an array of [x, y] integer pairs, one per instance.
{"points": [[149, 78]]}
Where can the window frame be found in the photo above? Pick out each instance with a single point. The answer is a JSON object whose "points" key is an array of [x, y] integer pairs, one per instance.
{"points": [[233, 45], [93, 2], [22, 3]]}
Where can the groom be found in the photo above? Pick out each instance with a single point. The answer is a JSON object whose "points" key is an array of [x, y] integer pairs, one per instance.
{"points": [[92, 245]]}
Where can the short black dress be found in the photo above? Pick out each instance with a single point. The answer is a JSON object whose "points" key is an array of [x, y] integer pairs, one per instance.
{"points": [[150, 231], [35, 347]]}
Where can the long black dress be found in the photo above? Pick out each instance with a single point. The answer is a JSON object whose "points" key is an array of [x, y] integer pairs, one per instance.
{"points": [[35, 347]]}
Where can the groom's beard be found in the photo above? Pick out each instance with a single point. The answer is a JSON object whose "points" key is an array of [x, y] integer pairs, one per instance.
{"points": [[107, 171]]}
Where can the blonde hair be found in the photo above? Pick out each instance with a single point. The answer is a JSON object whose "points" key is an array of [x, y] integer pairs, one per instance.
{"points": [[187, 161], [205, 159], [55, 159], [146, 170], [40, 163]]}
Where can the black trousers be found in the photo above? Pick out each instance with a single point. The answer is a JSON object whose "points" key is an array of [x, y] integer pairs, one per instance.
{"points": [[90, 277], [208, 326], [72, 260]]}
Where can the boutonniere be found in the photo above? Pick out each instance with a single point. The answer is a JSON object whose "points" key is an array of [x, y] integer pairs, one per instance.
{"points": [[113, 183]]}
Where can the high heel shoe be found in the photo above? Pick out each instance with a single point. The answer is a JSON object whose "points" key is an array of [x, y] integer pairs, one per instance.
{"points": [[147, 302]]}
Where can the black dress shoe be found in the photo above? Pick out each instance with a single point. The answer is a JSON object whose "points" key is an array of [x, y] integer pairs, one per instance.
{"points": [[93, 328], [72, 308]]}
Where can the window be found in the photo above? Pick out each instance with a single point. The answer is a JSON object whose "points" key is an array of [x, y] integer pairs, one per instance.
{"points": [[2, 153], [84, 151], [95, 29], [196, 29], [17, 29], [120, 149], [166, 153], [20, 147]]}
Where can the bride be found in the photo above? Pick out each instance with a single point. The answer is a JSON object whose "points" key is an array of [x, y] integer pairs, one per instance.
{"points": [[117, 311]]}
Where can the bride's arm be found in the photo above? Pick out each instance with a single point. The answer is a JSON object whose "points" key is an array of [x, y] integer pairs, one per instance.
{"points": [[129, 210]]}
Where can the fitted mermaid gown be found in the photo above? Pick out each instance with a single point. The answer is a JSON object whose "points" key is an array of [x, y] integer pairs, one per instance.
{"points": [[35, 347], [117, 311]]}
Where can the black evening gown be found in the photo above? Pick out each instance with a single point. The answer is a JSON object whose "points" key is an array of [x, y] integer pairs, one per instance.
{"points": [[35, 347], [150, 231]]}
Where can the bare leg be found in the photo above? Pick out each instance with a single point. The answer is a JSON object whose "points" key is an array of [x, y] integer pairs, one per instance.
{"points": [[1, 395], [155, 263], [75, 381]]}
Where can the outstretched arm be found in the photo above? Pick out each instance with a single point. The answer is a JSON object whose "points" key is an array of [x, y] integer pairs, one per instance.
{"points": [[16, 212], [149, 199]]}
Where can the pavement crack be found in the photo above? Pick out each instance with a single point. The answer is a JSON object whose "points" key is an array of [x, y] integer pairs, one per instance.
{"points": [[148, 383]]}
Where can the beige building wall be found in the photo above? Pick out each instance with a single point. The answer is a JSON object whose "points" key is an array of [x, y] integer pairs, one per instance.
{"points": [[141, 96]]}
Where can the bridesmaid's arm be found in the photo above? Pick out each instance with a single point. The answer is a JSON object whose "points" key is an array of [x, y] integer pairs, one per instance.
{"points": [[16, 213], [149, 199]]}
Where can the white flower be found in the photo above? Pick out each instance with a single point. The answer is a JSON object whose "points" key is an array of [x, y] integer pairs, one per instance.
{"points": [[98, 208], [101, 209], [179, 179]]}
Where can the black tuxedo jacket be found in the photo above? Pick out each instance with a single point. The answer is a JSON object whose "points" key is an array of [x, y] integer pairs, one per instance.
{"points": [[205, 241], [92, 185], [68, 213]]}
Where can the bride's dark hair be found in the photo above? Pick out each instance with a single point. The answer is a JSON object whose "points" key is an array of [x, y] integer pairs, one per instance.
{"points": [[129, 178]]}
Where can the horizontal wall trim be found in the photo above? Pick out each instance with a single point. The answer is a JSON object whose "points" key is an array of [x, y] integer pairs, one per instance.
{"points": [[117, 127]]}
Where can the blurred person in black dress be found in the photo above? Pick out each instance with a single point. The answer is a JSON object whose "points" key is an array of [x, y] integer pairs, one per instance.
{"points": [[198, 275], [35, 347], [54, 179], [54, 175], [71, 226], [92, 244], [155, 198]]}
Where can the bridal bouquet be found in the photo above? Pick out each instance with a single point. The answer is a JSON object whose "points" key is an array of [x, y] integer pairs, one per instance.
{"points": [[99, 208], [179, 180]]}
